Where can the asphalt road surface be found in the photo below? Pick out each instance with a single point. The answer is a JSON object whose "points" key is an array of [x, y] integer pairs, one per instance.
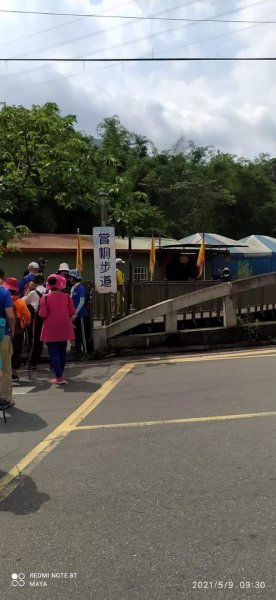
{"points": [[152, 479]]}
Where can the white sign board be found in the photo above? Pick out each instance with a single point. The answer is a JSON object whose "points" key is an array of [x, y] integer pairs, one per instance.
{"points": [[104, 260]]}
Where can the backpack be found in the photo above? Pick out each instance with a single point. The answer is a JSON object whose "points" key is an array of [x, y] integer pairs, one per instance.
{"points": [[20, 324]]}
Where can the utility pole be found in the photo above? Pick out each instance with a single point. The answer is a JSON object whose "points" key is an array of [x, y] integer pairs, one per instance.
{"points": [[130, 273], [102, 196]]}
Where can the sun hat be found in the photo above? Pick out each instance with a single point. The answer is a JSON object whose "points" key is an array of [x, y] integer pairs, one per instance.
{"points": [[11, 284], [33, 265], [120, 261], [75, 273], [64, 267], [55, 282]]}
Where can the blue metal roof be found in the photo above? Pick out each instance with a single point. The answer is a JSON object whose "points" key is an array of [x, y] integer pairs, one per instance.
{"points": [[214, 239], [264, 242]]}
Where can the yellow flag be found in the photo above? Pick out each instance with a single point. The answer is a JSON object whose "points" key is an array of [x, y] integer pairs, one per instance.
{"points": [[152, 259], [201, 258], [79, 262]]}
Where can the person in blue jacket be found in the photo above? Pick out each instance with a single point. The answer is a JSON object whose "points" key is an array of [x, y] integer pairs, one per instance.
{"points": [[7, 332], [81, 319], [33, 269]]}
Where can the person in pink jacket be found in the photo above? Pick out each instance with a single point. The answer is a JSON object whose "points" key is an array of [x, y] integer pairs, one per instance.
{"points": [[57, 310]]}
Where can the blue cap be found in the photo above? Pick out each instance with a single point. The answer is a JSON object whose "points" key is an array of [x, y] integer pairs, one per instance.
{"points": [[75, 273]]}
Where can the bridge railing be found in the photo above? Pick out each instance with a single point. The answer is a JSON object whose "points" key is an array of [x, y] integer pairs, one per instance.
{"points": [[234, 296]]}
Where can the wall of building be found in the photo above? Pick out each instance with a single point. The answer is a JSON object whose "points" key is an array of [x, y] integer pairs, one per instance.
{"points": [[257, 265], [14, 264]]}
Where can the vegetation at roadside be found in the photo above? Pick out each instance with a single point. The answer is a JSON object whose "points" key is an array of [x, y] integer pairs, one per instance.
{"points": [[52, 175]]}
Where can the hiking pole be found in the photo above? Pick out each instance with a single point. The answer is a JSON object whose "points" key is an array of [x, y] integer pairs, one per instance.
{"points": [[28, 352]]}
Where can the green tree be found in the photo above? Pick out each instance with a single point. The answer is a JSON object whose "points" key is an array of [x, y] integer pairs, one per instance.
{"points": [[182, 187], [45, 164], [121, 157]]}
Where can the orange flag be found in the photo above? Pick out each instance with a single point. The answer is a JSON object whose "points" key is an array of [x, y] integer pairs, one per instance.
{"points": [[79, 262], [152, 259], [201, 258]]}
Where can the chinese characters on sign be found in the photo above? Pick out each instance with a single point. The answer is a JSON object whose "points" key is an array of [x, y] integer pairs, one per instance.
{"points": [[104, 260]]}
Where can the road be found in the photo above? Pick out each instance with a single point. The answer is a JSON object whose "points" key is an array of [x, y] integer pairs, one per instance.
{"points": [[149, 479]]}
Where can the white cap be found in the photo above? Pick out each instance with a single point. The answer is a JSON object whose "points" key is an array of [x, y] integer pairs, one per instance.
{"points": [[120, 261], [64, 267], [33, 265]]}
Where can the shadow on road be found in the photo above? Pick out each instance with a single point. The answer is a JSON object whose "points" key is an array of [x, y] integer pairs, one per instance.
{"points": [[25, 499], [76, 385], [20, 420]]}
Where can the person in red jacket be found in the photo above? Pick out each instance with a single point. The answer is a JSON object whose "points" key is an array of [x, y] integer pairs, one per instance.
{"points": [[57, 310]]}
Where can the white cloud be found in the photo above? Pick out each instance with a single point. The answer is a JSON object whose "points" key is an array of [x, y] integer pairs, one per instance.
{"points": [[229, 105]]}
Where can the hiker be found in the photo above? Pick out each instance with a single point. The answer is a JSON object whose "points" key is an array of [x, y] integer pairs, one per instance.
{"points": [[6, 313], [33, 269], [57, 309], [36, 291], [64, 270], [120, 278], [33, 292], [225, 275], [22, 320], [79, 296]]}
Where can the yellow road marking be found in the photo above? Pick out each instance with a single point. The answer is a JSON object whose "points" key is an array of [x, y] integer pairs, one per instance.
{"points": [[8, 481], [174, 421], [210, 357]]}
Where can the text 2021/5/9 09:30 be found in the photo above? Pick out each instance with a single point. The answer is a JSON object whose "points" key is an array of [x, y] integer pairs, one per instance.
{"points": [[230, 585]]}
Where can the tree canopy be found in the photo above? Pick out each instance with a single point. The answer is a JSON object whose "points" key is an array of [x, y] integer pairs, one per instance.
{"points": [[51, 176]]}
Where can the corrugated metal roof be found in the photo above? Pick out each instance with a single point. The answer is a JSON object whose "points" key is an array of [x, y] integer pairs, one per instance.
{"points": [[214, 239], [53, 242], [264, 242]]}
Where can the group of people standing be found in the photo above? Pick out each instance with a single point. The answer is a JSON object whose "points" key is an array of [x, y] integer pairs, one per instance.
{"points": [[37, 312]]}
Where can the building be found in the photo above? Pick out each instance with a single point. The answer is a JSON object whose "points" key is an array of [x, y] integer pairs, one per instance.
{"points": [[58, 248], [242, 257]]}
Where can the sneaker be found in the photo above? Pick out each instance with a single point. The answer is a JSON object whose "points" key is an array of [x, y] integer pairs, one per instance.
{"points": [[61, 381], [58, 381]]}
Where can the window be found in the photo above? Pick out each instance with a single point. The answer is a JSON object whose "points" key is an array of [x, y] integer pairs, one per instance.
{"points": [[140, 274]]}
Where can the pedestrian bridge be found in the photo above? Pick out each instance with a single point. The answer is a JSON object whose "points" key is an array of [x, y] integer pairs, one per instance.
{"points": [[234, 295]]}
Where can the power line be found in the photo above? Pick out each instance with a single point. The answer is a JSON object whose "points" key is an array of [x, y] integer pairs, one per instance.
{"points": [[149, 59], [55, 79], [113, 47], [116, 46], [137, 18], [139, 39], [188, 25], [30, 35]]}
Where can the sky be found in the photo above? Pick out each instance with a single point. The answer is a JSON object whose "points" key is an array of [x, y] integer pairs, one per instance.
{"points": [[228, 105]]}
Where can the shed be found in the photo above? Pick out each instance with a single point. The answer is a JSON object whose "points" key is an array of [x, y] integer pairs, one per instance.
{"points": [[266, 244], [221, 251]]}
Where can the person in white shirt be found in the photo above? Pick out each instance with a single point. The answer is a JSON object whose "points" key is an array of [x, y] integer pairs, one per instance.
{"points": [[36, 290]]}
